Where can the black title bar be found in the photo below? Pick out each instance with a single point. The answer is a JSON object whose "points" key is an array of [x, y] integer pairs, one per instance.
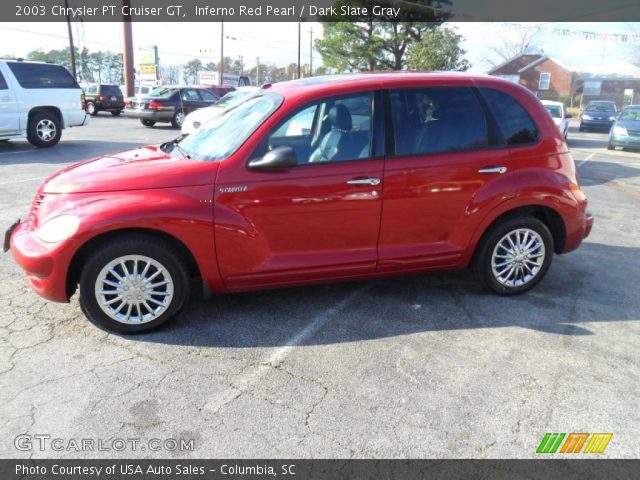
{"points": [[318, 10]]}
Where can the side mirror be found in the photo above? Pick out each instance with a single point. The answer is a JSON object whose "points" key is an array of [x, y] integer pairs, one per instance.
{"points": [[278, 158]]}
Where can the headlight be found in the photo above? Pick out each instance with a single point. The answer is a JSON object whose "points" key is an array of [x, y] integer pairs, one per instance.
{"points": [[611, 119], [619, 130], [58, 228], [586, 117]]}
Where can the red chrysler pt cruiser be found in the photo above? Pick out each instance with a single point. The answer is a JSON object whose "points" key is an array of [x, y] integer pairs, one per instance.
{"points": [[318, 180]]}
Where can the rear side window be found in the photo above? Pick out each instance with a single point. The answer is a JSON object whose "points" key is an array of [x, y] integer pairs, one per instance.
{"points": [[3, 83], [514, 121], [42, 75], [436, 120], [111, 90]]}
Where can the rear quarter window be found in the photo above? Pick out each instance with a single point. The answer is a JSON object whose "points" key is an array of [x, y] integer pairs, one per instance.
{"points": [[42, 75], [517, 126], [3, 83], [111, 90]]}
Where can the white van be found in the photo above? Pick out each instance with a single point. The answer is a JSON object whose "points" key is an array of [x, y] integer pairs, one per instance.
{"points": [[38, 100]]}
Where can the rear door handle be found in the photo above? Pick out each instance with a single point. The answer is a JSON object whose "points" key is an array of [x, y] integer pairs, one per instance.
{"points": [[364, 181], [491, 170]]}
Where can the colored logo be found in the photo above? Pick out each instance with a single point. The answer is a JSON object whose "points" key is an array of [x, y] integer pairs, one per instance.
{"points": [[573, 443]]}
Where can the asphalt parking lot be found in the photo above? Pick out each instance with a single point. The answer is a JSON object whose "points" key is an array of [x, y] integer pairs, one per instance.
{"points": [[421, 366]]}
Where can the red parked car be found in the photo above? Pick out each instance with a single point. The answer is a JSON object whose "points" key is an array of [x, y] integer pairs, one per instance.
{"points": [[317, 180]]}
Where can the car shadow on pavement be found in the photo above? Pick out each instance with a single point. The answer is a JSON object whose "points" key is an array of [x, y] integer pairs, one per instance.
{"points": [[596, 173], [594, 284], [70, 151]]}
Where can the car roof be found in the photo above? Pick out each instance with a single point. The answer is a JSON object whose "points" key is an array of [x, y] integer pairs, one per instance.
{"points": [[342, 83]]}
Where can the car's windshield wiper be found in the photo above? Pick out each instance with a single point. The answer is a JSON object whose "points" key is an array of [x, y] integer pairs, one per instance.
{"points": [[168, 147]]}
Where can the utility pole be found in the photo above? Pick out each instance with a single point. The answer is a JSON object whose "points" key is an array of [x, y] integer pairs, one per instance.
{"points": [[257, 71], [299, 38], [221, 68], [157, 62], [129, 76], [72, 50], [241, 65], [311, 52]]}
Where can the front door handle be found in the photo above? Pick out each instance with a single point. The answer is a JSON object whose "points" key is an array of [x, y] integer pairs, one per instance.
{"points": [[364, 181], [490, 170]]}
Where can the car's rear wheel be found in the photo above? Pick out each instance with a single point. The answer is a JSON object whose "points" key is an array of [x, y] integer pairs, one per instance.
{"points": [[91, 108], [133, 285], [43, 130], [115, 113], [178, 119], [514, 255], [147, 123]]}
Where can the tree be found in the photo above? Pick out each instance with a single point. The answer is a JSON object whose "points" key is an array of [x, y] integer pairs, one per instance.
{"points": [[191, 70], [170, 74], [368, 42], [439, 50], [510, 48]]}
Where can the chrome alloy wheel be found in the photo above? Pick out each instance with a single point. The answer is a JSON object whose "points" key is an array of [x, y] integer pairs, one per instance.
{"points": [[180, 118], [46, 130], [134, 289], [518, 257]]}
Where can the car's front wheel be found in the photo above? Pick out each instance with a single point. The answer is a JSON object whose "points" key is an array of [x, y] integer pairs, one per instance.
{"points": [[178, 119], [514, 255], [91, 108], [133, 285]]}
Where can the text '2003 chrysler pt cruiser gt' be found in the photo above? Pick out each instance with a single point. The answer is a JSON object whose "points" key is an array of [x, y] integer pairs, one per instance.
{"points": [[316, 180]]}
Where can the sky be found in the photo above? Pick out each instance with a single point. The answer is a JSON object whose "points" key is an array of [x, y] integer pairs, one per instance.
{"points": [[277, 42]]}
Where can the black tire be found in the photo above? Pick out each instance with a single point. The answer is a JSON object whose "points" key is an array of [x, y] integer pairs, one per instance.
{"points": [[115, 113], [147, 122], [152, 248], [178, 119], [482, 262], [91, 109], [610, 147], [582, 129], [44, 130]]}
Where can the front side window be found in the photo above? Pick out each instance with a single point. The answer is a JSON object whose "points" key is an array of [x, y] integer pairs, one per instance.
{"points": [[436, 120], [42, 75], [336, 129], [223, 135], [515, 123], [545, 81]]}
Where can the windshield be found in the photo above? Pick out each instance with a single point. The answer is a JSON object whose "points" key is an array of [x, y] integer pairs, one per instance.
{"points": [[223, 135], [631, 114], [601, 107], [554, 110], [230, 99]]}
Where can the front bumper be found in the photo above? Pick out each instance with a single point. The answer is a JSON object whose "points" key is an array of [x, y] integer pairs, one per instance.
{"points": [[46, 266], [596, 123], [625, 141]]}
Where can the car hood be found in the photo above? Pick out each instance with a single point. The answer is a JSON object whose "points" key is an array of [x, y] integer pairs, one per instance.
{"points": [[139, 169], [629, 124]]}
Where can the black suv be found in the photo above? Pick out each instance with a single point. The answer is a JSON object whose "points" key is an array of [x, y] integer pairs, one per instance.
{"points": [[104, 97]]}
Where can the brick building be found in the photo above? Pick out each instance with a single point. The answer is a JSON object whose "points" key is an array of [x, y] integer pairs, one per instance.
{"points": [[543, 76]]}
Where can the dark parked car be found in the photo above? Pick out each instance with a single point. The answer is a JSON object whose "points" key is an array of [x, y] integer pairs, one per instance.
{"points": [[599, 115], [103, 97], [316, 180], [626, 129], [170, 104], [219, 90]]}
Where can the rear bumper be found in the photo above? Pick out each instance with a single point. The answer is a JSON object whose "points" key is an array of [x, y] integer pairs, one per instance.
{"points": [[162, 116], [46, 266]]}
